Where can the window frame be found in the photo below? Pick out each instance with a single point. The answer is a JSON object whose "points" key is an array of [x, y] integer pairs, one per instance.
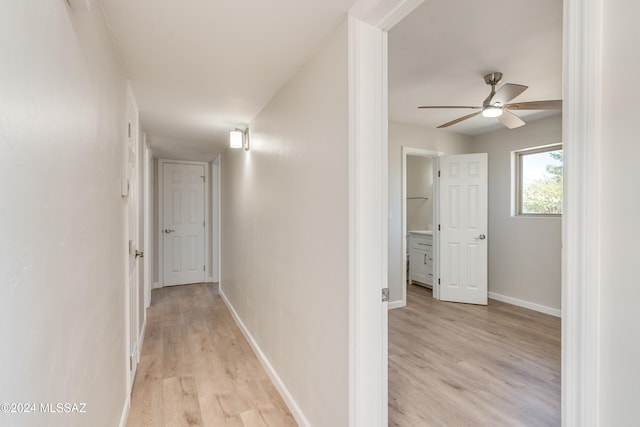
{"points": [[517, 157]]}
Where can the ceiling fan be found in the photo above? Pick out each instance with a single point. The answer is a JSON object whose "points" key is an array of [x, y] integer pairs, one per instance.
{"points": [[496, 105]]}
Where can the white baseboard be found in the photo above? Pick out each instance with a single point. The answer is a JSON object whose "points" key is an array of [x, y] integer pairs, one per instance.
{"points": [[127, 402], [526, 304], [396, 304], [125, 412], [141, 339], [156, 285], [280, 386]]}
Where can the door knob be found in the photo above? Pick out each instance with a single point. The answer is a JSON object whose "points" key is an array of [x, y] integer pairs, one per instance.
{"points": [[168, 230], [139, 254], [480, 237]]}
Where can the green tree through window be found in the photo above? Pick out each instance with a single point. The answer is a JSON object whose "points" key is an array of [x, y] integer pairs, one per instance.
{"points": [[541, 182]]}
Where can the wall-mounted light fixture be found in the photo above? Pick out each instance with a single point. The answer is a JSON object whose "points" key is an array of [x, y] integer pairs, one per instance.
{"points": [[239, 138]]}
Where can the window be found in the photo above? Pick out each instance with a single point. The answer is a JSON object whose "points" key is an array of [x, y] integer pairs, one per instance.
{"points": [[539, 181]]}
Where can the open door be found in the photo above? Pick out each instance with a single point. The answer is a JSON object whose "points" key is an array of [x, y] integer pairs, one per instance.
{"points": [[133, 237], [463, 228], [184, 213]]}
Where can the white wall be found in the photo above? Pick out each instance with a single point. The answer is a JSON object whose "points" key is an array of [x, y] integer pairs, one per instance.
{"points": [[62, 298], [419, 184], [284, 233], [404, 135], [524, 252], [620, 229]]}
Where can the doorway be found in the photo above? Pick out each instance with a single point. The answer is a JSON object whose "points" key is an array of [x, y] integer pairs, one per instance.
{"points": [[582, 32], [419, 213], [183, 207], [452, 193]]}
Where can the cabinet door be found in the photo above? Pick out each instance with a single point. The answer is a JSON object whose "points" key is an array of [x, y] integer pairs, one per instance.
{"points": [[418, 265], [429, 267]]}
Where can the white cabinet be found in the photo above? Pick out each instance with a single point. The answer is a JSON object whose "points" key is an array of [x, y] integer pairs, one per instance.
{"points": [[421, 258]]}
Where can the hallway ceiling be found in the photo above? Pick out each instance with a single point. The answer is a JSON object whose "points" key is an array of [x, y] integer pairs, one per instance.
{"points": [[439, 54], [200, 68]]}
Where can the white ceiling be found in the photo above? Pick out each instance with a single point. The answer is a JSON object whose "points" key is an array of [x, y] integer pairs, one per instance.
{"points": [[199, 68], [439, 54]]}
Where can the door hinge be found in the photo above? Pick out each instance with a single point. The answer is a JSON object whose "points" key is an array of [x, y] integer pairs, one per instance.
{"points": [[438, 281], [129, 129], [204, 179], [204, 267], [203, 224], [131, 363], [385, 294], [438, 227], [438, 174]]}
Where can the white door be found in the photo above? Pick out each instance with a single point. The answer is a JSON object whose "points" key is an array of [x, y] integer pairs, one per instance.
{"points": [[132, 234], [463, 228], [183, 223]]}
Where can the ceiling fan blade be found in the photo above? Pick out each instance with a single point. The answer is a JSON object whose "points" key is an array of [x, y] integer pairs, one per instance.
{"points": [[449, 106], [507, 92], [536, 105], [453, 122], [510, 120]]}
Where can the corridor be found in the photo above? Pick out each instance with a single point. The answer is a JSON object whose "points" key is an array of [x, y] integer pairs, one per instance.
{"points": [[197, 369]]}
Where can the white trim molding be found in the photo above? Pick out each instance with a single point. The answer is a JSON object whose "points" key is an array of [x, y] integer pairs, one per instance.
{"points": [[434, 155], [291, 403], [526, 304], [581, 281], [397, 304], [368, 393], [368, 206], [124, 415]]}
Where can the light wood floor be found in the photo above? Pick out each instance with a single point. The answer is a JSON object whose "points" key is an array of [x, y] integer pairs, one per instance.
{"points": [[197, 369], [464, 365]]}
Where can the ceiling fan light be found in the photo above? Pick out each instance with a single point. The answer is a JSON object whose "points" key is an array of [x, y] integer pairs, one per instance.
{"points": [[492, 111]]}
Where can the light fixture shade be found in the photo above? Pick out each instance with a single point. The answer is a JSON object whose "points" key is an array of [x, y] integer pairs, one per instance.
{"points": [[236, 139], [491, 111]]}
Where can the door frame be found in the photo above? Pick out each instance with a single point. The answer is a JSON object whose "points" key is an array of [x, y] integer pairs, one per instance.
{"points": [[148, 220], [368, 23], [132, 356], [435, 194], [215, 220], [581, 281], [582, 77], [207, 263]]}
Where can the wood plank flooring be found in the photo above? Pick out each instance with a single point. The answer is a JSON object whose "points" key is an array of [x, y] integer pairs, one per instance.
{"points": [[449, 365], [465, 365], [197, 369]]}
